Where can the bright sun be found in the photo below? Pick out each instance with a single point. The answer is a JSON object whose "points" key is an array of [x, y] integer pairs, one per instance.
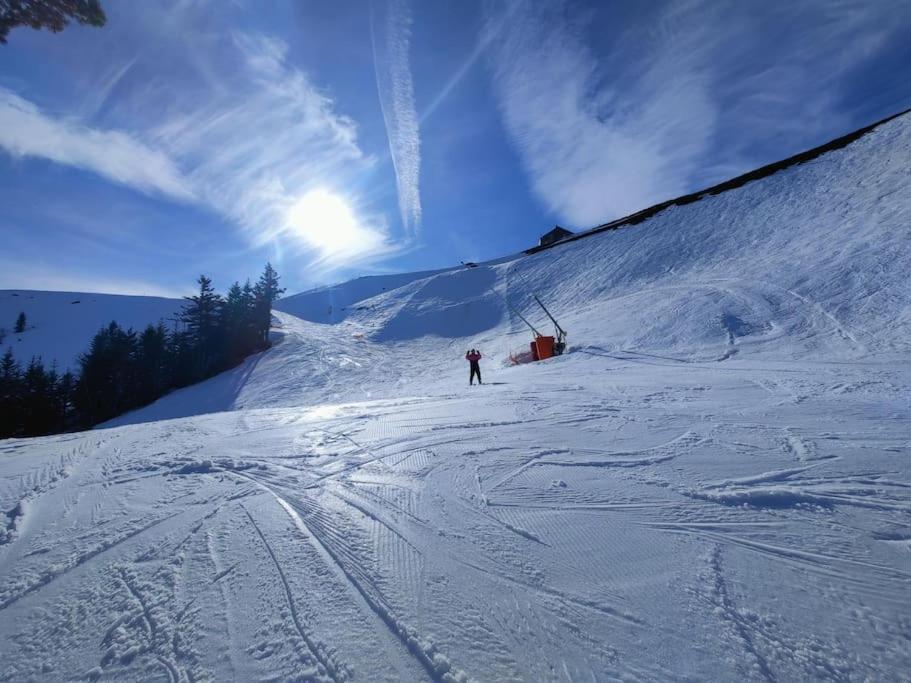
{"points": [[325, 221]]}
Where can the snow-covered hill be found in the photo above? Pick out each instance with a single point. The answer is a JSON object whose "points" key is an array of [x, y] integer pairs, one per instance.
{"points": [[334, 303], [60, 325], [713, 484], [808, 263]]}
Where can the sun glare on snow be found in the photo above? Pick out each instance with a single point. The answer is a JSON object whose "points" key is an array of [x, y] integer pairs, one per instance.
{"points": [[325, 221]]}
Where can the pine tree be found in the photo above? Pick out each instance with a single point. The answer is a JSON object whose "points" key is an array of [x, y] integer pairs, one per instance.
{"points": [[122, 370], [251, 333], [63, 402], [33, 402], [107, 380], [10, 388], [36, 396], [9, 368], [20, 323], [268, 283], [152, 364], [201, 314], [181, 360], [266, 292], [234, 315]]}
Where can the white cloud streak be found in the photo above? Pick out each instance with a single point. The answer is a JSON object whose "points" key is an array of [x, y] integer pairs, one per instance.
{"points": [[391, 44], [253, 149], [217, 117], [670, 105], [596, 152], [116, 155]]}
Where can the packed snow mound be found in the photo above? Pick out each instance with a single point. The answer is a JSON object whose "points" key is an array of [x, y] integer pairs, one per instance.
{"points": [[334, 303], [60, 325]]}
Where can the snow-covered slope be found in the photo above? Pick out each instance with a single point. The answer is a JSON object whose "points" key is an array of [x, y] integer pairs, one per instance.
{"points": [[713, 484], [334, 303], [811, 259], [60, 325], [808, 263]]}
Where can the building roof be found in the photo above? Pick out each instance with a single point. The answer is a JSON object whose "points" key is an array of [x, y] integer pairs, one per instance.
{"points": [[554, 235]]}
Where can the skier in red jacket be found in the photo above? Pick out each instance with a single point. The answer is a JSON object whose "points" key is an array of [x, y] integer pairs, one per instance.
{"points": [[473, 356]]}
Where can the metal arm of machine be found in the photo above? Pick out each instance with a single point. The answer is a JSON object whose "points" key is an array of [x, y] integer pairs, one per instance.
{"points": [[522, 318], [552, 319]]}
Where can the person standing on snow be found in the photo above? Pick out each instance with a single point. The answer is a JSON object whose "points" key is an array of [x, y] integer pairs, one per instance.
{"points": [[473, 356]]}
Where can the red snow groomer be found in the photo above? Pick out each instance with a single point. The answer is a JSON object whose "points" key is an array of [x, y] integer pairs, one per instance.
{"points": [[543, 346]]}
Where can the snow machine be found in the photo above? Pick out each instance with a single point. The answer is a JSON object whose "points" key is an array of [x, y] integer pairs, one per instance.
{"points": [[544, 346]]}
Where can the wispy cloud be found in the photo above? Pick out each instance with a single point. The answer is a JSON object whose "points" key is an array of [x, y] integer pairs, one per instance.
{"points": [[253, 149], [25, 131], [216, 116], [492, 31], [670, 106], [592, 152], [391, 44]]}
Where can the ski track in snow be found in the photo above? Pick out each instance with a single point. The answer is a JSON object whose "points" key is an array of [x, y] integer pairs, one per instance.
{"points": [[712, 484], [460, 545]]}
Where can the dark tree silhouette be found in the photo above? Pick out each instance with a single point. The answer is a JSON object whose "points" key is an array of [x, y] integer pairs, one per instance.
{"points": [[266, 293], [37, 398], [240, 334], [122, 370], [20, 323], [201, 313], [8, 366], [63, 401], [35, 401], [54, 15], [10, 407], [152, 373], [107, 374]]}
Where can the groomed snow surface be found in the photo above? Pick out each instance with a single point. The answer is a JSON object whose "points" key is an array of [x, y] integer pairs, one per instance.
{"points": [[713, 484]]}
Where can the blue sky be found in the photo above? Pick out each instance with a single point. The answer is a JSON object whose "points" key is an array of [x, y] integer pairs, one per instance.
{"points": [[347, 138]]}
